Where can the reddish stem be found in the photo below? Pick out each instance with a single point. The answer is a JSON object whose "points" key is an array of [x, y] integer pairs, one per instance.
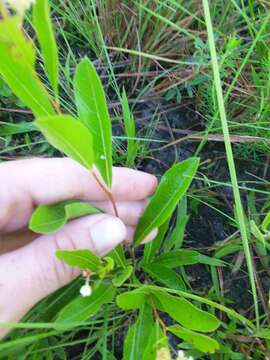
{"points": [[108, 193]]}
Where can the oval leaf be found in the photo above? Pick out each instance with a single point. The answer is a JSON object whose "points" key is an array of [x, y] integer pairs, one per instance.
{"points": [[172, 187], [49, 218], [80, 309], [93, 112], [44, 30], [83, 259], [199, 341], [184, 312], [69, 136]]}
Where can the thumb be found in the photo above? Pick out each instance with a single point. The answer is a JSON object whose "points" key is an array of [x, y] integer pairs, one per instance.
{"points": [[33, 272]]}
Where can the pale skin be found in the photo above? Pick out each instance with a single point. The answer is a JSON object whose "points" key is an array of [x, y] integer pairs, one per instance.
{"points": [[29, 270]]}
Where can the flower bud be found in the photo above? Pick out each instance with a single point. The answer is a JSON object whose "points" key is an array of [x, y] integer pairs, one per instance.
{"points": [[86, 290]]}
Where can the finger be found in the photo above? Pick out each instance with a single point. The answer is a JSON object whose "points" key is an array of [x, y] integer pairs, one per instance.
{"points": [[32, 272], [129, 211], [27, 183], [131, 233]]}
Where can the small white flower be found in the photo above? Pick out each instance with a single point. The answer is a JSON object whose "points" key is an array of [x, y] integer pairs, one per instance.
{"points": [[86, 290], [20, 6], [102, 157]]}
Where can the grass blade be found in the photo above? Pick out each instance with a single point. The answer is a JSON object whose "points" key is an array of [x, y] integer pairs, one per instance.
{"points": [[229, 154]]}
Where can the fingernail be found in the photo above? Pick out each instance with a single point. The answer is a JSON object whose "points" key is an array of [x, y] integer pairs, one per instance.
{"points": [[150, 236], [107, 234]]}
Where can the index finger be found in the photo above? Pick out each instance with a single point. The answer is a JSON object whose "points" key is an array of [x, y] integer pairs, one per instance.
{"points": [[24, 184]]}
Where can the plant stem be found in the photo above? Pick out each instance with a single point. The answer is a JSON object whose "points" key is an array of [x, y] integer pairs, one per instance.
{"points": [[118, 252], [230, 159], [56, 106], [157, 317], [107, 192]]}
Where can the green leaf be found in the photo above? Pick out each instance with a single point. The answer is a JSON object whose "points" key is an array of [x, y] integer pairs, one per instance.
{"points": [[227, 250], [165, 275], [107, 355], [83, 259], [199, 341], [156, 340], [80, 309], [130, 300], [121, 277], [172, 187], [266, 222], [129, 130], [184, 312], [69, 136], [93, 112], [107, 266], [256, 232], [153, 246], [177, 258], [12, 129], [178, 308], [12, 35], [118, 256], [208, 260], [17, 66], [45, 34], [177, 235], [138, 334], [204, 300], [263, 333], [49, 218]]}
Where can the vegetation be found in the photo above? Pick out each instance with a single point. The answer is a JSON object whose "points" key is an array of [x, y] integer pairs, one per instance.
{"points": [[181, 80]]}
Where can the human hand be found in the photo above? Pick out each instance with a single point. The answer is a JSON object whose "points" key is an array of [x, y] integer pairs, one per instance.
{"points": [[29, 269]]}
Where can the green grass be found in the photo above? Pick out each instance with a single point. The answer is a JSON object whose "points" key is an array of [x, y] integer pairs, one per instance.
{"points": [[240, 218], [216, 65]]}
